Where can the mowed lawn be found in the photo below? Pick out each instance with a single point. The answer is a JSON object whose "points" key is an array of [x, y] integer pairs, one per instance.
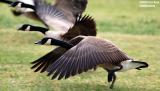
{"points": [[135, 30]]}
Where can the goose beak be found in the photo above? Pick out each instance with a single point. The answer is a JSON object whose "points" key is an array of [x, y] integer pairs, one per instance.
{"points": [[42, 41], [39, 43], [19, 28], [138, 68]]}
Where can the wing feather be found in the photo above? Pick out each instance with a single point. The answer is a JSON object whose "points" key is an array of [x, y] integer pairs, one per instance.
{"points": [[51, 16], [86, 55], [43, 63], [40, 66], [75, 7], [65, 68]]}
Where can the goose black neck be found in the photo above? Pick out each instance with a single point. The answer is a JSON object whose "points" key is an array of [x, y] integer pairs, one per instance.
{"points": [[28, 6], [61, 43], [6, 1], [39, 29]]}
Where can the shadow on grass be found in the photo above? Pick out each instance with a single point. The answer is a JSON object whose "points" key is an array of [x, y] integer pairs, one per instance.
{"points": [[73, 86]]}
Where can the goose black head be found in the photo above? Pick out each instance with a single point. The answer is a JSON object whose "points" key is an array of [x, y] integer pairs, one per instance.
{"points": [[25, 27], [44, 40], [16, 4]]}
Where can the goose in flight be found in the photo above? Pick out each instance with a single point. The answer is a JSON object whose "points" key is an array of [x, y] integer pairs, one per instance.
{"points": [[84, 25], [28, 12], [68, 8]]}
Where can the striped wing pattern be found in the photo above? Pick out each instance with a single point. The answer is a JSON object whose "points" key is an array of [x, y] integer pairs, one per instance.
{"points": [[51, 16], [87, 54], [42, 63]]}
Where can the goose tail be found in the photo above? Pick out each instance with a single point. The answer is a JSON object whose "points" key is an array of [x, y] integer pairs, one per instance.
{"points": [[131, 64], [140, 64]]}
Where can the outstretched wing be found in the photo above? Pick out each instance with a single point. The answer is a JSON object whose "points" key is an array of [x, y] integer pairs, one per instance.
{"points": [[74, 7], [43, 63], [52, 16], [83, 26], [87, 54]]}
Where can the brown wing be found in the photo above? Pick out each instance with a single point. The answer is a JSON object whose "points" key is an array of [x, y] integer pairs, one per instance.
{"points": [[74, 7], [42, 63], [87, 54], [52, 16], [83, 26]]}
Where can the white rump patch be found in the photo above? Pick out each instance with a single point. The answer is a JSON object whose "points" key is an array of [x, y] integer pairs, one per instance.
{"points": [[128, 64]]}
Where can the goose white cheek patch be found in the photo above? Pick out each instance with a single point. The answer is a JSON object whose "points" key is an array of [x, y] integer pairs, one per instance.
{"points": [[48, 41], [19, 5], [28, 28]]}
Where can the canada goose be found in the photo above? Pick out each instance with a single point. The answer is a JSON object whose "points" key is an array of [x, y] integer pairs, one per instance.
{"points": [[62, 14], [20, 10], [84, 53], [83, 26]]}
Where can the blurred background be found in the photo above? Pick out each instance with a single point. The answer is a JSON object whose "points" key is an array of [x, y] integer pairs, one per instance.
{"points": [[131, 26]]}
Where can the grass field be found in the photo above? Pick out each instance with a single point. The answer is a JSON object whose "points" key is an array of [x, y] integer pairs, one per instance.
{"points": [[135, 30]]}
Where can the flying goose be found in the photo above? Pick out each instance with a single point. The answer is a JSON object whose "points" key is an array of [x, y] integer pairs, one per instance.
{"points": [[84, 25], [83, 53], [62, 14], [21, 10]]}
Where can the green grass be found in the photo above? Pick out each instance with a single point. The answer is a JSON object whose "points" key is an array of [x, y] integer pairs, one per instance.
{"points": [[125, 17], [18, 50], [135, 30]]}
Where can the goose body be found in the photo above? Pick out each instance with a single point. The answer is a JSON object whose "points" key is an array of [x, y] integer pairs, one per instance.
{"points": [[56, 18], [83, 26], [103, 52], [83, 53], [59, 16], [69, 9], [19, 10], [55, 34]]}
